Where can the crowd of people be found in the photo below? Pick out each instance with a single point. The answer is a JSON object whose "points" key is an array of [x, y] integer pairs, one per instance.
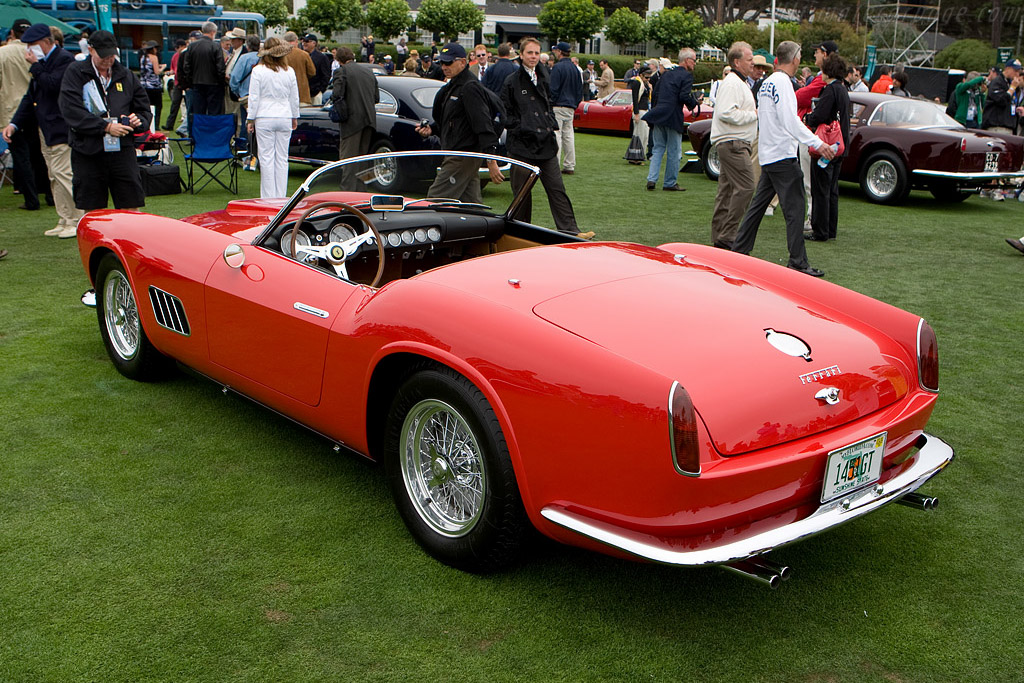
{"points": [[780, 130]]}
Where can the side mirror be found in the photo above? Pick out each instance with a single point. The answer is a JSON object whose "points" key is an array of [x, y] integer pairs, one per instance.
{"points": [[234, 256]]}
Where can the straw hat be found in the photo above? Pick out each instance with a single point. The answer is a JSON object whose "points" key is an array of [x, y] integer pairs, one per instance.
{"points": [[759, 60], [279, 50]]}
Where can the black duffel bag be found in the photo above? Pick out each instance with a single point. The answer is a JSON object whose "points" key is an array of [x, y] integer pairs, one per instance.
{"points": [[160, 179]]}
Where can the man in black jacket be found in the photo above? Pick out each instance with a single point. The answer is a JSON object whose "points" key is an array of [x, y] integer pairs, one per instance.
{"points": [[321, 81], [495, 76], [48, 64], [999, 115], [104, 104], [531, 125], [354, 94], [462, 118], [429, 69], [203, 73], [665, 117]]}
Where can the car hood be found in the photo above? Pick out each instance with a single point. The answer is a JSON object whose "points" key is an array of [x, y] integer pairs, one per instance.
{"points": [[725, 339]]}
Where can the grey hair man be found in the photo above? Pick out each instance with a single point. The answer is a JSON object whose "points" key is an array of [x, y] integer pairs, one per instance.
{"points": [[203, 73], [780, 131], [733, 133]]}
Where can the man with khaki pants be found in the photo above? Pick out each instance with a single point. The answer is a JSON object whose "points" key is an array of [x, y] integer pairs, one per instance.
{"points": [[734, 131], [48, 61]]}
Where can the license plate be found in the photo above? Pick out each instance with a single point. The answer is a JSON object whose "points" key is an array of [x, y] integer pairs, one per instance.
{"points": [[852, 467], [992, 161]]}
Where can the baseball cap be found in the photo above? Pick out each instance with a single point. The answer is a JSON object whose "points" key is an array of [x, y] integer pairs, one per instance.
{"points": [[1012, 63], [828, 47], [196, 34], [35, 32], [562, 46], [450, 52], [387, 56], [104, 43], [310, 38]]}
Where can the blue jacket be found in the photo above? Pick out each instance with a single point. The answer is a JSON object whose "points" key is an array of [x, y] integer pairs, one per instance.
{"points": [[40, 100], [240, 74], [496, 75], [566, 84], [671, 93]]}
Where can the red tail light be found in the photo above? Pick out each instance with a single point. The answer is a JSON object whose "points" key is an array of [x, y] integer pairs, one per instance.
{"points": [[927, 357], [963, 144], [682, 421]]}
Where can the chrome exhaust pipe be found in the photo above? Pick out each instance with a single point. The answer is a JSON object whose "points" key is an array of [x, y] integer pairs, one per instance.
{"points": [[784, 572], [749, 570], [919, 501]]}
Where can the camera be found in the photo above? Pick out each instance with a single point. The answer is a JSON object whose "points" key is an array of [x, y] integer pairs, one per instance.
{"points": [[424, 123], [124, 121]]}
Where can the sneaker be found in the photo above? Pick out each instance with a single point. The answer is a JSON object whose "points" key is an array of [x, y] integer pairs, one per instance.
{"points": [[585, 235], [769, 211], [1020, 196], [68, 233], [985, 193], [997, 195], [53, 232]]}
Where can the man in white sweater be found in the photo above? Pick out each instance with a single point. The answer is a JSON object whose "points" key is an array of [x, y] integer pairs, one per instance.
{"points": [[734, 131], [779, 132]]}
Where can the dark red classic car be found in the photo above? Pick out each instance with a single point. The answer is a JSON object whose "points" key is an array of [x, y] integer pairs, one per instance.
{"points": [[614, 113], [899, 144]]}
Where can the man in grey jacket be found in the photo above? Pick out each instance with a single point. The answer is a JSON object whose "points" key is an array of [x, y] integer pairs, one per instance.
{"points": [[354, 93]]}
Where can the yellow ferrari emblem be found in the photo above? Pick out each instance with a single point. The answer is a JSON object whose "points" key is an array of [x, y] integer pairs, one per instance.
{"points": [[120, 88]]}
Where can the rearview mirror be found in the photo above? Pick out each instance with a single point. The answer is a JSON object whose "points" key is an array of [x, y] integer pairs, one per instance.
{"points": [[386, 202]]}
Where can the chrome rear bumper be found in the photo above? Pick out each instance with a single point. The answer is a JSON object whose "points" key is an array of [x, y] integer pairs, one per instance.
{"points": [[932, 458]]}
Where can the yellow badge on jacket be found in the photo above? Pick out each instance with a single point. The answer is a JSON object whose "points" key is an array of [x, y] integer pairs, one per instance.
{"points": [[120, 87]]}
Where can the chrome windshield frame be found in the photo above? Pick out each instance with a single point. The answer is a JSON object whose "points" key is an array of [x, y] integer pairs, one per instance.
{"points": [[304, 188]]}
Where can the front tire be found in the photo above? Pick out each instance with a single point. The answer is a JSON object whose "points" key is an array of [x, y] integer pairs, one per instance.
{"points": [[450, 472], [709, 159], [884, 178], [121, 328]]}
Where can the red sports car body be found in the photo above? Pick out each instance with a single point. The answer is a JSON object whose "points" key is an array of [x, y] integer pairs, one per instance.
{"points": [[614, 113], [679, 404], [898, 144]]}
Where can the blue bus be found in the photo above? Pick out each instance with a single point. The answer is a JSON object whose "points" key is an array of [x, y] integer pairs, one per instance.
{"points": [[161, 22]]}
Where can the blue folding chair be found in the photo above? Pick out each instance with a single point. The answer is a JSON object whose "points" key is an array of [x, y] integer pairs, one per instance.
{"points": [[213, 153]]}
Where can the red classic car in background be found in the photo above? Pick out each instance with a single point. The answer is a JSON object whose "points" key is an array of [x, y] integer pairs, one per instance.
{"points": [[898, 144], [679, 404], [614, 114]]}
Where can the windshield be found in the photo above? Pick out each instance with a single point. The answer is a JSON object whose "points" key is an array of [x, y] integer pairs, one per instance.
{"points": [[420, 178], [907, 113]]}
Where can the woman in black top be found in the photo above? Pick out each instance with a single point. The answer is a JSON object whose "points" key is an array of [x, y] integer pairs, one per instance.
{"points": [[833, 105]]}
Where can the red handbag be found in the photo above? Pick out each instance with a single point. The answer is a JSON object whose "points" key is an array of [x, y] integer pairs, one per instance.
{"points": [[831, 133]]}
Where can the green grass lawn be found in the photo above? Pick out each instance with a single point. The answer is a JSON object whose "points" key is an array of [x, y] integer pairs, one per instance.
{"points": [[169, 532]]}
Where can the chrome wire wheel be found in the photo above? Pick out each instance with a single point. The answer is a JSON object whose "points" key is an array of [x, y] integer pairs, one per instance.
{"points": [[714, 165], [882, 178], [442, 466], [121, 315], [385, 171]]}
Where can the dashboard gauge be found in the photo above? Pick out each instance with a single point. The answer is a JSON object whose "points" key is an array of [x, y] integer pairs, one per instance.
{"points": [[407, 237], [342, 231], [420, 235], [301, 240], [395, 239], [434, 234]]}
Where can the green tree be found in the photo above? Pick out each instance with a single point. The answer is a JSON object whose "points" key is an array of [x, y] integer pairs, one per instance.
{"points": [[570, 20], [327, 16], [387, 19], [723, 36], [449, 17], [275, 12], [969, 55], [675, 28], [625, 27]]}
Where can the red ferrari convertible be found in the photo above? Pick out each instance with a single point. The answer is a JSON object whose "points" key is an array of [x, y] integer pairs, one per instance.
{"points": [[614, 114], [679, 404], [899, 144]]}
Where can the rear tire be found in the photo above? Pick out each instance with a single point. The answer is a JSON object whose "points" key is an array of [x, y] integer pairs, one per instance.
{"points": [[709, 160], [388, 175], [884, 178], [121, 327], [450, 472]]}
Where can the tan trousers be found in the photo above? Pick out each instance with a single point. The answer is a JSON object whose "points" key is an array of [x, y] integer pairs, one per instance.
{"points": [[566, 137], [58, 166], [735, 187]]}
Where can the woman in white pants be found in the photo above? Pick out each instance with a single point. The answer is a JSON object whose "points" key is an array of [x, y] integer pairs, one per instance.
{"points": [[273, 114]]}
